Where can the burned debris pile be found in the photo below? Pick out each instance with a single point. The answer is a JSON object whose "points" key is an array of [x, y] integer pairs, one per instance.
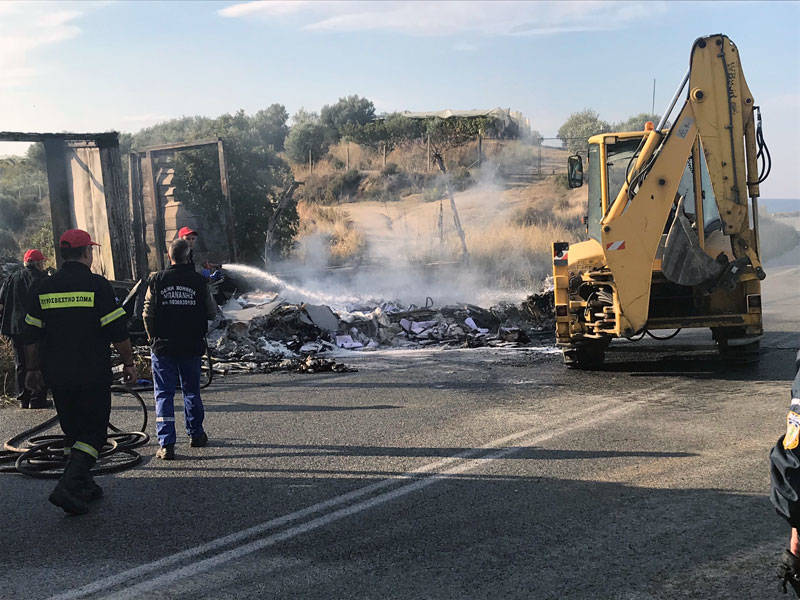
{"points": [[260, 332]]}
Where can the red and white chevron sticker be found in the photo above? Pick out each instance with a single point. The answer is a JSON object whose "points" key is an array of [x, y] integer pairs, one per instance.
{"points": [[616, 245]]}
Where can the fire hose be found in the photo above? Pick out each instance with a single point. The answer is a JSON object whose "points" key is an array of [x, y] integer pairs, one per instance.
{"points": [[44, 457]]}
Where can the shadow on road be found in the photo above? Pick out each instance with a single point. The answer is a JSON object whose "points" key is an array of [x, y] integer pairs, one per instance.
{"points": [[467, 536], [776, 364], [247, 407], [291, 450]]}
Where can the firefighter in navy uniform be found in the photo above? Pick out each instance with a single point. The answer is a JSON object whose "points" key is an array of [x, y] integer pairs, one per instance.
{"points": [[785, 474], [72, 319], [177, 307]]}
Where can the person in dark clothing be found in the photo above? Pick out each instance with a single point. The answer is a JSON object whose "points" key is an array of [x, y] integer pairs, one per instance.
{"points": [[177, 306], [72, 319], [13, 304], [190, 236], [785, 476]]}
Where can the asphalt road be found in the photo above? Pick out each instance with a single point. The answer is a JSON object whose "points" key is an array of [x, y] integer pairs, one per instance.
{"points": [[442, 474]]}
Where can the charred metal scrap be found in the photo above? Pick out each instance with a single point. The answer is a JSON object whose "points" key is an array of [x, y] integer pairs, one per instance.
{"points": [[262, 333]]}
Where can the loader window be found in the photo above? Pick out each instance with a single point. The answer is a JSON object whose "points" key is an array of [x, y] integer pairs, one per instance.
{"points": [[711, 218], [595, 209], [686, 189], [618, 157]]}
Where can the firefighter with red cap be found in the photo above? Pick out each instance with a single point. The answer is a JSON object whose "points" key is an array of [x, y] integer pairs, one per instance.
{"points": [[13, 304], [190, 235], [72, 319]]}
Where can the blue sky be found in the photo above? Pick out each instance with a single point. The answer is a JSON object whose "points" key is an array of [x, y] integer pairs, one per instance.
{"points": [[121, 65]]}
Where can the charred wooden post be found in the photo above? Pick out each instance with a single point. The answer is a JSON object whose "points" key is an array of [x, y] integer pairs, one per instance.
{"points": [[55, 151], [229, 221], [456, 219], [118, 219]]}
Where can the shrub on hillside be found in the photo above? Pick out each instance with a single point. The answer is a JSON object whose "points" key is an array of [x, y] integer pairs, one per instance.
{"points": [[341, 238], [432, 194], [461, 179], [562, 180], [331, 189], [390, 169], [307, 138]]}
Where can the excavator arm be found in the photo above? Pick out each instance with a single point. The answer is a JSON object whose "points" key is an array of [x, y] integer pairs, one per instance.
{"points": [[719, 110]]}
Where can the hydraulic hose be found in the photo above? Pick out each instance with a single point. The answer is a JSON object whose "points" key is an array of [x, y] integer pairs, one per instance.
{"points": [[43, 456], [644, 332]]}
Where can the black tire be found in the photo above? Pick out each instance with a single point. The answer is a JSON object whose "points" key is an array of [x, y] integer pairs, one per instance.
{"points": [[740, 354], [733, 347], [585, 356]]}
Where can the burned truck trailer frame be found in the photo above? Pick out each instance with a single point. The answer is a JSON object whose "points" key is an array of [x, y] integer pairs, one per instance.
{"points": [[84, 178], [149, 184], [86, 189]]}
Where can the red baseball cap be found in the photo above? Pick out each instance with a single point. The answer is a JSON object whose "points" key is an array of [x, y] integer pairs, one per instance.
{"points": [[33, 255], [184, 231], [76, 238]]}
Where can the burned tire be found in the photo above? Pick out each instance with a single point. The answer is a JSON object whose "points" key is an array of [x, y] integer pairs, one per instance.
{"points": [[740, 354], [735, 348], [585, 356]]}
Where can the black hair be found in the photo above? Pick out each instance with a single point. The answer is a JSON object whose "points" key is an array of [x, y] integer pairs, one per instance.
{"points": [[180, 251], [68, 253]]}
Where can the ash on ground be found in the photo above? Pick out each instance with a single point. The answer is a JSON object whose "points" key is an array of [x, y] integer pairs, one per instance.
{"points": [[261, 332]]}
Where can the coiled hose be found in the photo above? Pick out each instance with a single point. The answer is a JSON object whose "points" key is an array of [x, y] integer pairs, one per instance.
{"points": [[43, 456]]}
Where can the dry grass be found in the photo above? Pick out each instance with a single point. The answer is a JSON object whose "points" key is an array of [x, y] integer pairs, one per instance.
{"points": [[514, 256], [343, 240]]}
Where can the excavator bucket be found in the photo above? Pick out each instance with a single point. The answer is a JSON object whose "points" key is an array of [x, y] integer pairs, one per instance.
{"points": [[684, 262]]}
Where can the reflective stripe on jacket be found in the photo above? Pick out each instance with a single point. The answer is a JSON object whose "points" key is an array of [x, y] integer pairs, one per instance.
{"points": [[75, 316]]}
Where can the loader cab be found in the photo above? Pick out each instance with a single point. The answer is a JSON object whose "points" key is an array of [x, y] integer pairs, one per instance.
{"points": [[612, 155]]}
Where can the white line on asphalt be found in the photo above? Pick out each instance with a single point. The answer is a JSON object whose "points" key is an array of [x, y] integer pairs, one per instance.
{"points": [[563, 425], [161, 581]]}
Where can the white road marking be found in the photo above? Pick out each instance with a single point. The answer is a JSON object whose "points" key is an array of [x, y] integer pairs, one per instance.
{"points": [[465, 462]]}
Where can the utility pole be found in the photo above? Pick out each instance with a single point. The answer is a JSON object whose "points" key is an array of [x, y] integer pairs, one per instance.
{"points": [[310, 162], [653, 109], [428, 167], [539, 161]]}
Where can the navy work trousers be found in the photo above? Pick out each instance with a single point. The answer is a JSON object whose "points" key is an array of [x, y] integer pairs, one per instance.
{"points": [[167, 372], [83, 414]]}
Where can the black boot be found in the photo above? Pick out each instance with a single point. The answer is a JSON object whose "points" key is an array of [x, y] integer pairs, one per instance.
{"points": [[69, 493], [90, 490]]}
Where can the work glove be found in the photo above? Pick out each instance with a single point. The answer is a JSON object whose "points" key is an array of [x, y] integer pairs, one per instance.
{"points": [[789, 572]]}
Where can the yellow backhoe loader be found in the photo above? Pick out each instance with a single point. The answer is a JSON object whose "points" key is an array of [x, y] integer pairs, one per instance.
{"points": [[673, 237]]}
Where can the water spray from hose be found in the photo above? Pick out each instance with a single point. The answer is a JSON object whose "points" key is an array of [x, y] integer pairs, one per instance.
{"points": [[291, 292]]}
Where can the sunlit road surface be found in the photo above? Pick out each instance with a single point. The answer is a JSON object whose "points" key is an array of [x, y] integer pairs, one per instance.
{"points": [[442, 474]]}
